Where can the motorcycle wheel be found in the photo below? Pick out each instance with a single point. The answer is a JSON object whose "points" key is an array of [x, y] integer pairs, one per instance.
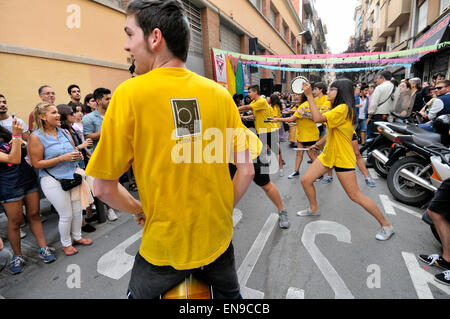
{"points": [[403, 190], [379, 167]]}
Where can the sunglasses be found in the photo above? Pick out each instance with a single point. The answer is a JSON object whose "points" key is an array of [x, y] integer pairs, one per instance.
{"points": [[439, 87]]}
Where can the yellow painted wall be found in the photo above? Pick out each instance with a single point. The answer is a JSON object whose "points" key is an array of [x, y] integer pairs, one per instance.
{"points": [[246, 16], [43, 24], [22, 76]]}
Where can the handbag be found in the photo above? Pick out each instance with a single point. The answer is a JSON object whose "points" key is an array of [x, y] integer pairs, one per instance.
{"points": [[68, 184]]}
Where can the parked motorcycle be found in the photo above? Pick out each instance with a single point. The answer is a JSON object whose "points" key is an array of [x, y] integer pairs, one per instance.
{"points": [[382, 143], [410, 177]]}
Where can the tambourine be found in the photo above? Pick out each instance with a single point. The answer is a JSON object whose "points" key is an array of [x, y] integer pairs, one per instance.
{"points": [[297, 84]]}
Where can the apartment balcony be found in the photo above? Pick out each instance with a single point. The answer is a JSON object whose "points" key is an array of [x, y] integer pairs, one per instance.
{"points": [[384, 29], [399, 11]]}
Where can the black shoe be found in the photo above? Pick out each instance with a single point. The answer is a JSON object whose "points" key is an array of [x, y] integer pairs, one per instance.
{"points": [[88, 228], [435, 260], [443, 278]]}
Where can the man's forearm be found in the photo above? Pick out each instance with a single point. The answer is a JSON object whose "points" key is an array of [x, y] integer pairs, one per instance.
{"points": [[93, 136], [115, 195]]}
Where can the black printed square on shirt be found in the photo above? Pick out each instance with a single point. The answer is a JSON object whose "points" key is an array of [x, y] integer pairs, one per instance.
{"points": [[186, 115]]}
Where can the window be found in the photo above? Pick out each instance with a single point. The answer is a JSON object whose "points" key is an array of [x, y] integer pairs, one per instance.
{"points": [[257, 4], [273, 17], [404, 32], [423, 13], [444, 5]]}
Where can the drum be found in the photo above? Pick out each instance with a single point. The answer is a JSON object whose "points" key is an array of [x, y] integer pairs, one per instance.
{"points": [[189, 288], [297, 84]]}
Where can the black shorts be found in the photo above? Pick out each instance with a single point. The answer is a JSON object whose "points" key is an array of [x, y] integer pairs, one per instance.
{"points": [[272, 139], [306, 144], [441, 200], [259, 178], [355, 137], [341, 169]]}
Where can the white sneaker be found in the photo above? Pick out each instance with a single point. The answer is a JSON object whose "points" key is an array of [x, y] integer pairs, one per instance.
{"points": [[111, 215], [23, 234], [384, 234], [307, 212]]}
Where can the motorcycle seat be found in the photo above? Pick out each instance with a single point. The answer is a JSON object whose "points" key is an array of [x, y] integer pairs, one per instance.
{"points": [[427, 142], [409, 129]]}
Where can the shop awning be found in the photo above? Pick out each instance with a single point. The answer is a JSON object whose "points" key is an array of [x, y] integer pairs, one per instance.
{"points": [[434, 34]]}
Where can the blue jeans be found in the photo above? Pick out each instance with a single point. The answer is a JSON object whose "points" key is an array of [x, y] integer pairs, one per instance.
{"points": [[149, 281], [427, 126]]}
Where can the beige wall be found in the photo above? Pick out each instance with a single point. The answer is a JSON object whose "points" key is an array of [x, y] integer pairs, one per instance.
{"points": [[43, 24], [27, 74], [39, 28]]}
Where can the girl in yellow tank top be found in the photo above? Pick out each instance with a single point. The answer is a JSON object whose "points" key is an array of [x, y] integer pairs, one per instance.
{"points": [[338, 153]]}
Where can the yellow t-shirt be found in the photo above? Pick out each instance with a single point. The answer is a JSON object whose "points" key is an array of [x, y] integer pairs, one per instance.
{"points": [[307, 130], [276, 113], [338, 150], [262, 110], [170, 124]]}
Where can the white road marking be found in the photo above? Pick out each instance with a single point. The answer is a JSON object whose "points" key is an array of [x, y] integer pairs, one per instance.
{"points": [[116, 263], [295, 293], [342, 234], [373, 173], [422, 278], [253, 254], [389, 207]]}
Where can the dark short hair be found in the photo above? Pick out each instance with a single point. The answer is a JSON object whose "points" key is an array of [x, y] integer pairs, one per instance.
{"points": [[69, 89], [321, 86], [42, 88], [254, 88], [446, 82], [363, 87], [1, 95], [386, 74], [169, 17], [100, 92]]}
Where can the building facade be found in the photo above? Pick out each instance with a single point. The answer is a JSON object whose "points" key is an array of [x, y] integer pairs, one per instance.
{"points": [[394, 25], [64, 42]]}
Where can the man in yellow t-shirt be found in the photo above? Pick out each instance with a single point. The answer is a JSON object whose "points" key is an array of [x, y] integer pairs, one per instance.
{"points": [[173, 126], [267, 131]]}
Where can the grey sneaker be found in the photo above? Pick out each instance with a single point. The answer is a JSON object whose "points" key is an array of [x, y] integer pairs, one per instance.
{"points": [[283, 220], [370, 182], [384, 234], [327, 180], [307, 212]]}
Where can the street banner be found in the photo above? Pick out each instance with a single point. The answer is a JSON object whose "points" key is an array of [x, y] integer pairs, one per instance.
{"points": [[220, 68]]}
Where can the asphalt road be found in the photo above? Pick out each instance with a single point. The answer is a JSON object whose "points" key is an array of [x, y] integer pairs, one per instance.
{"points": [[332, 256]]}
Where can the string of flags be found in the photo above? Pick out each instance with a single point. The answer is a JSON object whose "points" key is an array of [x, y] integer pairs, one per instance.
{"points": [[232, 69]]}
